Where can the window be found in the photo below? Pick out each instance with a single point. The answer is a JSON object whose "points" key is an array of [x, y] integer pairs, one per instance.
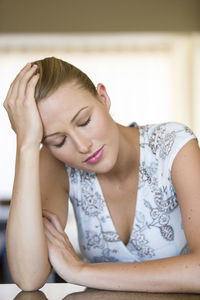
{"points": [[150, 78]]}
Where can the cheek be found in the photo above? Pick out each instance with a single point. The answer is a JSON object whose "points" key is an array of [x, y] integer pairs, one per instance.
{"points": [[103, 127], [64, 155], [59, 154]]}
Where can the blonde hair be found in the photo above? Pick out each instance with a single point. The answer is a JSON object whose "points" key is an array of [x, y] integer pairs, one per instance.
{"points": [[54, 72]]}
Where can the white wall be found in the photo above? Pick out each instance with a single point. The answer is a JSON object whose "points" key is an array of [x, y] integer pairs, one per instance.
{"points": [[147, 78]]}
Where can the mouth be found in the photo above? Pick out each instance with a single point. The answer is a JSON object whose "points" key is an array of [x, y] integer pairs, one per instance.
{"points": [[95, 157]]}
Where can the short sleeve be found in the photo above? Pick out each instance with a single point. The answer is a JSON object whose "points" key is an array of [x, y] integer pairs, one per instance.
{"points": [[178, 134]]}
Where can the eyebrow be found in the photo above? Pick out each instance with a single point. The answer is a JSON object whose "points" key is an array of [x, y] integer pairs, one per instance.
{"points": [[76, 115]]}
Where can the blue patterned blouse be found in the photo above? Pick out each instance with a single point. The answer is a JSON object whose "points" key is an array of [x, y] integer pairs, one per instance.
{"points": [[157, 228]]}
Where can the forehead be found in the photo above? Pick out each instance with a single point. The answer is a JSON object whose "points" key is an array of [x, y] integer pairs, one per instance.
{"points": [[64, 103]]}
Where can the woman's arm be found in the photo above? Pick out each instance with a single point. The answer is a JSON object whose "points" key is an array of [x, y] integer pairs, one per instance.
{"points": [[26, 246], [175, 274], [26, 243]]}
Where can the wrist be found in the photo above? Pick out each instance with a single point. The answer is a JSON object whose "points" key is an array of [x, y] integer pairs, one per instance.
{"points": [[80, 277], [73, 274], [28, 153], [24, 141], [27, 146]]}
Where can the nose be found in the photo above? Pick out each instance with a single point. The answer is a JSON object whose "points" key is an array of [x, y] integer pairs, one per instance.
{"points": [[82, 143]]}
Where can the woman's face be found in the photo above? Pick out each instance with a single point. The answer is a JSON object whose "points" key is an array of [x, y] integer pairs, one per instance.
{"points": [[78, 129]]}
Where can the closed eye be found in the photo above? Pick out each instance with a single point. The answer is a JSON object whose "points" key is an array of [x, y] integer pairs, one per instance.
{"points": [[85, 123], [61, 144], [81, 125]]}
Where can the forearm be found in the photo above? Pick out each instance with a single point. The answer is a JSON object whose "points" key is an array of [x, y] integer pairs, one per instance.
{"points": [[176, 274], [26, 244]]}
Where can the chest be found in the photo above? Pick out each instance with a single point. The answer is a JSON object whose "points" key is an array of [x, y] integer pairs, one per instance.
{"points": [[121, 199]]}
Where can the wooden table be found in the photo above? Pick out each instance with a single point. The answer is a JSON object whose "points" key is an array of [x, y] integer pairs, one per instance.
{"points": [[66, 291]]}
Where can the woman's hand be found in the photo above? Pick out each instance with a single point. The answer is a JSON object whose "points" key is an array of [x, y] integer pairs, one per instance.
{"points": [[22, 109], [62, 256]]}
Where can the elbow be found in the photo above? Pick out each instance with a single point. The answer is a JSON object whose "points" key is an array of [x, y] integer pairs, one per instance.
{"points": [[29, 282], [29, 285]]}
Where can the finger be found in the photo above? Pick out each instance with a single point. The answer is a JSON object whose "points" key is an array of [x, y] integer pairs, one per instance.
{"points": [[28, 79], [50, 227], [18, 86], [53, 218], [14, 85], [23, 70], [49, 236], [53, 236], [50, 240], [30, 88]]}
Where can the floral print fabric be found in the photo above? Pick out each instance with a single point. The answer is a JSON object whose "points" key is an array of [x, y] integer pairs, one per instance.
{"points": [[157, 228]]}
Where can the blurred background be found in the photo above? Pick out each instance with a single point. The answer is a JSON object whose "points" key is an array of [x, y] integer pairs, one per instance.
{"points": [[146, 53]]}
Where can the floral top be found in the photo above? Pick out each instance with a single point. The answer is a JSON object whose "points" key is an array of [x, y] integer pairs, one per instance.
{"points": [[157, 228]]}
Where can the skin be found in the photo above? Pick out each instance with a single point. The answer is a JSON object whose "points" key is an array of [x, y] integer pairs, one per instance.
{"points": [[118, 166], [92, 129], [81, 137]]}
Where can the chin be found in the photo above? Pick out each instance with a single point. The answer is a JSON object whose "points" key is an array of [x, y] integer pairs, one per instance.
{"points": [[105, 166]]}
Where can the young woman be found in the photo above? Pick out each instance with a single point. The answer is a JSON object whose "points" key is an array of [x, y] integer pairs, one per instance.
{"points": [[135, 190]]}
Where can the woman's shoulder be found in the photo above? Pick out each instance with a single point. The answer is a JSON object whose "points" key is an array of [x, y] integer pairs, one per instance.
{"points": [[166, 126], [164, 140], [162, 130]]}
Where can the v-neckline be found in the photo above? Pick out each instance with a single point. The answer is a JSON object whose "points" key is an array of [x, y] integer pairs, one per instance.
{"points": [[136, 202]]}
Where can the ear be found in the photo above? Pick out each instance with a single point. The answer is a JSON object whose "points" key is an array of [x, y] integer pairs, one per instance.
{"points": [[103, 96]]}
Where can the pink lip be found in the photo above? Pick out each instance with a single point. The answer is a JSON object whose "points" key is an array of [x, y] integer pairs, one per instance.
{"points": [[94, 158]]}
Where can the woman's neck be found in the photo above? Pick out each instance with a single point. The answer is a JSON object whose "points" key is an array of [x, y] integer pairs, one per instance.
{"points": [[129, 154]]}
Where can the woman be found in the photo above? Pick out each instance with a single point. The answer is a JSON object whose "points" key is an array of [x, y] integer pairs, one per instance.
{"points": [[104, 168]]}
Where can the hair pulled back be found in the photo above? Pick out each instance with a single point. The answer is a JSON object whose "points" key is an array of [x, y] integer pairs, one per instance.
{"points": [[54, 72]]}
